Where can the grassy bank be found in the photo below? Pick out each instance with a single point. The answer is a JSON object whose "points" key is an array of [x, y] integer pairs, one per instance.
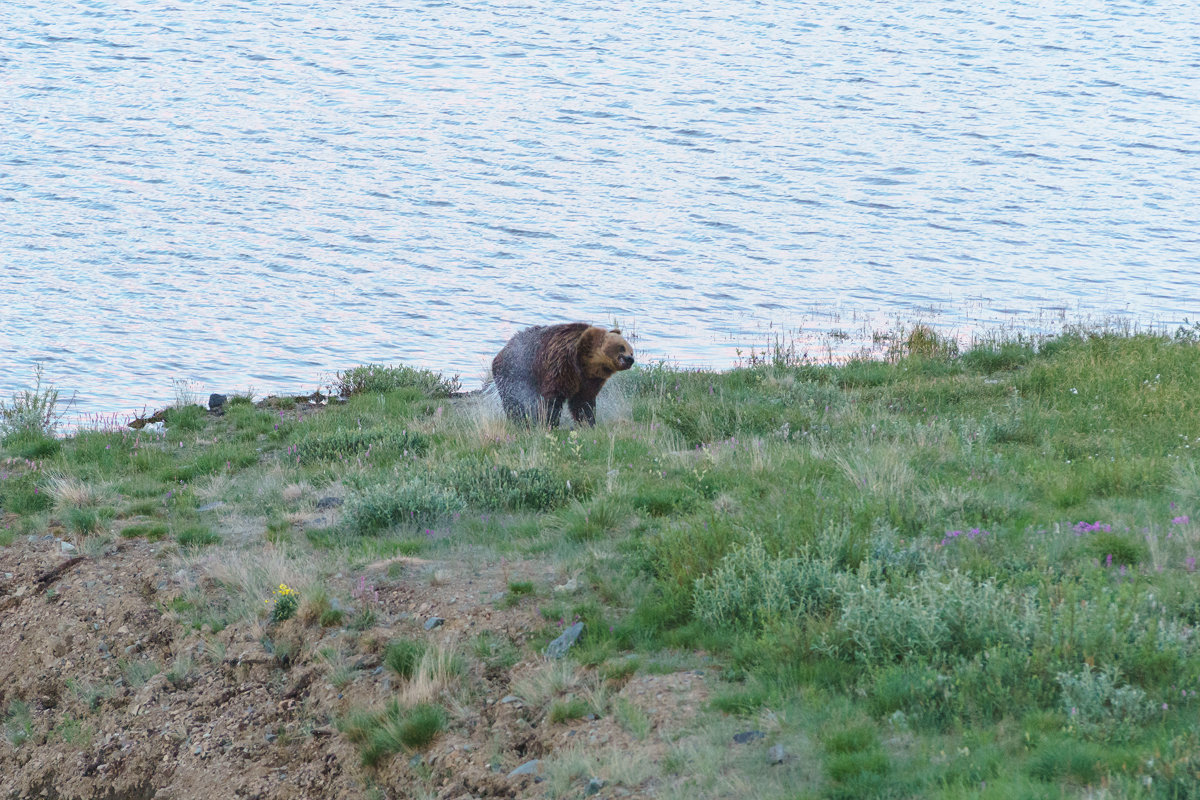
{"points": [[941, 574]]}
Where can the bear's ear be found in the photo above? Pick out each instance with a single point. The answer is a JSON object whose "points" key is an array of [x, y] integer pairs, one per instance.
{"points": [[616, 331], [591, 339]]}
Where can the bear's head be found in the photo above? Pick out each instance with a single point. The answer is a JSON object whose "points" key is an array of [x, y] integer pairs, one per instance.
{"points": [[610, 354]]}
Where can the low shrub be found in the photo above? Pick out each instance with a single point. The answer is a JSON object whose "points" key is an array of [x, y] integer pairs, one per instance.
{"points": [[934, 620], [370, 378], [1099, 709], [31, 415], [415, 503], [752, 587]]}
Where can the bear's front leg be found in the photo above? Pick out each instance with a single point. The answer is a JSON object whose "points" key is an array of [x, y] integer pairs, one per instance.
{"points": [[554, 411], [583, 411]]}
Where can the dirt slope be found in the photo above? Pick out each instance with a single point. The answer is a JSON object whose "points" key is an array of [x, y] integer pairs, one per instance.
{"points": [[88, 716]]}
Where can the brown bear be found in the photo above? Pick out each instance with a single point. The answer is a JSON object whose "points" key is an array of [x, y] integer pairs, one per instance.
{"points": [[543, 366]]}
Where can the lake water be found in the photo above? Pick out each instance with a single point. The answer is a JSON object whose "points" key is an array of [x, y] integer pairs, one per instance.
{"points": [[253, 195]]}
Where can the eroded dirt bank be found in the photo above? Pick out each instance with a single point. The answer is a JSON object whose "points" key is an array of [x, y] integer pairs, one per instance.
{"points": [[109, 692]]}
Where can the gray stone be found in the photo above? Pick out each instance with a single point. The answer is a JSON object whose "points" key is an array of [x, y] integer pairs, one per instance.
{"points": [[593, 786], [215, 401], [329, 502], [559, 647], [745, 737], [433, 622], [67, 547], [528, 768], [510, 698], [776, 754], [211, 506]]}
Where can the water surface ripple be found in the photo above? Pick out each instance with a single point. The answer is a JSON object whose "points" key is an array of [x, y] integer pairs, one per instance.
{"points": [[255, 194]]}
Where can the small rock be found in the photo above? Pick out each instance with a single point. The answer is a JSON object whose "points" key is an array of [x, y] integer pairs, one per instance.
{"points": [[270, 737], [67, 547], [369, 661], [377, 671], [745, 737], [511, 698], [528, 768], [433, 622], [559, 647], [567, 587], [593, 786], [776, 754], [211, 506], [215, 401], [329, 502], [416, 759]]}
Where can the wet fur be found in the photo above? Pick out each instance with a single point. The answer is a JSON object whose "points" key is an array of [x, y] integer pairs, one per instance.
{"points": [[544, 366]]}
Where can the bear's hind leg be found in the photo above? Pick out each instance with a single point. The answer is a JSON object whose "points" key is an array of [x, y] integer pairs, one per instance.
{"points": [[520, 404]]}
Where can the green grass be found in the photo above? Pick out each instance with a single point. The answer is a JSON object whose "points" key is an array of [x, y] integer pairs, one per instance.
{"points": [[567, 709], [402, 656], [983, 562], [395, 729]]}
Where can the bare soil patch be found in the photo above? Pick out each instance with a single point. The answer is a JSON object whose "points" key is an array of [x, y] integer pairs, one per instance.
{"points": [[107, 692]]}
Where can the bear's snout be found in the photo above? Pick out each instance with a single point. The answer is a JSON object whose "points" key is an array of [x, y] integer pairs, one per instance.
{"points": [[625, 361]]}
